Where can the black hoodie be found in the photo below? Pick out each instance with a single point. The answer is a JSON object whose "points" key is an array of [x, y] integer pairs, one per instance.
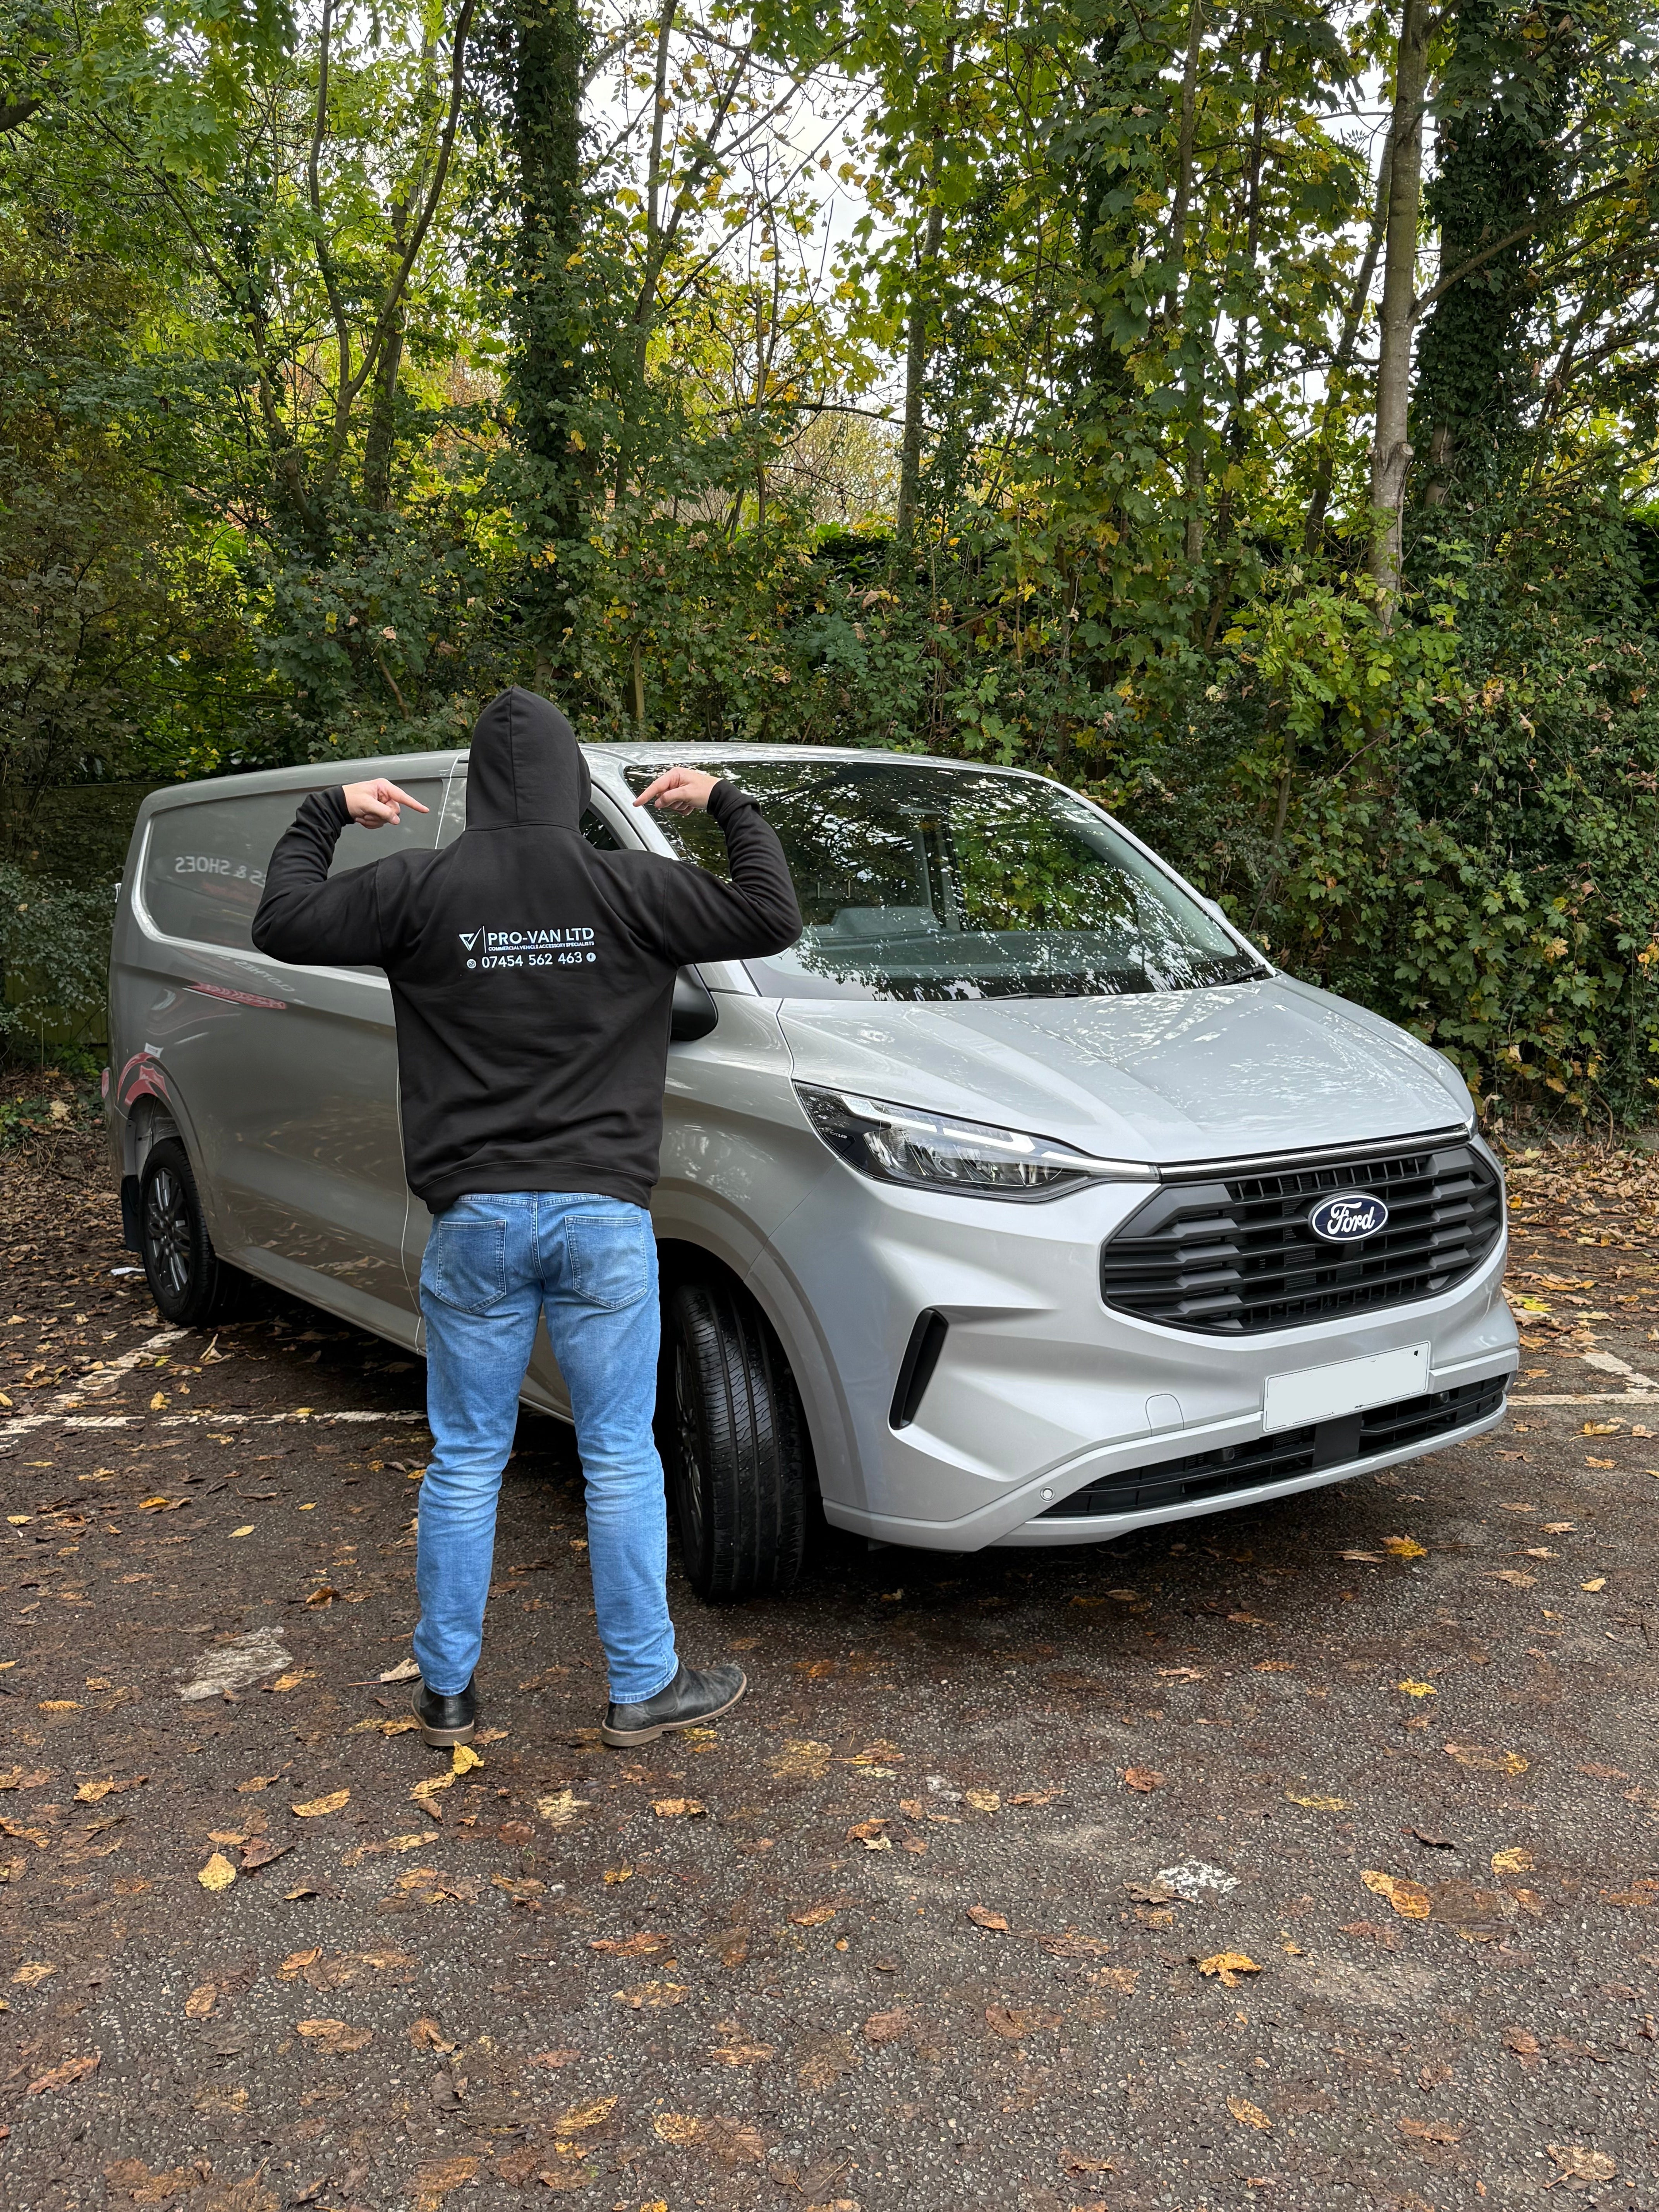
{"points": [[532, 974]]}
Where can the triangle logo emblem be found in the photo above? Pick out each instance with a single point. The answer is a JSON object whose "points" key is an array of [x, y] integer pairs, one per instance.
{"points": [[470, 938]]}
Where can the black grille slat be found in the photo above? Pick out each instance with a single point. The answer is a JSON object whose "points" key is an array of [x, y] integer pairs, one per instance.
{"points": [[1328, 1445], [1235, 1257]]}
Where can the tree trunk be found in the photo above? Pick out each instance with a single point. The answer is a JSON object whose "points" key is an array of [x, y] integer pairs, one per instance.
{"points": [[544, 73], [1312, 530], [1391, 453], [923, 305]]}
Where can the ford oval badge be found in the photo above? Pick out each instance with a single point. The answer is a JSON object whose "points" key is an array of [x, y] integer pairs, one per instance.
{"points": [[1346, 1218]]}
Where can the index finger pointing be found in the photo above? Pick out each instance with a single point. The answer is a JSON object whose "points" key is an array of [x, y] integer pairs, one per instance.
{"points": [[391, 791]]}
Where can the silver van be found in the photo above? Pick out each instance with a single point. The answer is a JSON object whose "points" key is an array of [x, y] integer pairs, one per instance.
{"points": [[1021, 1201]]}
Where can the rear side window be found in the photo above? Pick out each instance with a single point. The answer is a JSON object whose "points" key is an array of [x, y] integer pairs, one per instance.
{"points": [[204, 868]]}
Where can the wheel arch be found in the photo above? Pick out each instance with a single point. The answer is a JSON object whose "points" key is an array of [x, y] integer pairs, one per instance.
{"points": [[681, 1260]]}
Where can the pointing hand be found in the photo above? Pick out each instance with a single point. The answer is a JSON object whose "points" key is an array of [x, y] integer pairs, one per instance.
{"points": [[373, 804]]}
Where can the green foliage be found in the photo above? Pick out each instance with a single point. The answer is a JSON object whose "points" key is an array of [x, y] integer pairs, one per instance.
{"points": [[340, 385], [54, 957]]}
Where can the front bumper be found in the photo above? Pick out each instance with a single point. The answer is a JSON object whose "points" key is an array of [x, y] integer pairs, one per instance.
{"points": [[1041, 1389]]}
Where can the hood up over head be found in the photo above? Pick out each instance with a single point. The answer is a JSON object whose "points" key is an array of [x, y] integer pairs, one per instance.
{"points": [[526, 766]]}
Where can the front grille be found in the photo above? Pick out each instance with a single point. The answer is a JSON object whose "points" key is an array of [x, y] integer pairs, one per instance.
{"points": [[1236, 1256], [1327, 1446]]}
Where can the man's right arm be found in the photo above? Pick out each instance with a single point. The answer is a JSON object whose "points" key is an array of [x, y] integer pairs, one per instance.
{"points": [[305, 917]]}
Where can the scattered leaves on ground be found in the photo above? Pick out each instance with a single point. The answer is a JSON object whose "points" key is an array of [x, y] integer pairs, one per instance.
{"points": [[1227, 1967], [1409, 1898], [1579, 2164], [314, 1807], [65, 2076]]}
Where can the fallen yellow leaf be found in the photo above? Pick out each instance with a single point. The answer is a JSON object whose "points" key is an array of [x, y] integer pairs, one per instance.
{"points": [[653, 1997], [201, 2000], [1516, 1860], [1320, 1804], [1227, 1967], [1405, 1547], [1599, 1583], [247, 1531], [316, 1805], [217, 1874], [984, 1800], [561, 1810], [423, 1792], [1417, 1689], [463, 1758], [32, 1973], [1409, 1898], [1246, 2114], [677, 1808], [1487, 1762], [291, 1681], [585, 2116], [158, 1403]]}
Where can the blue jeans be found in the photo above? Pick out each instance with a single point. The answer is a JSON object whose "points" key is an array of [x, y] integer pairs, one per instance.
{"points": [[492, 1263]]}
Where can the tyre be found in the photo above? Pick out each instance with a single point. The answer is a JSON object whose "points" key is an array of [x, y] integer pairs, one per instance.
{"points": [[188, 1280], [734, 1444]]}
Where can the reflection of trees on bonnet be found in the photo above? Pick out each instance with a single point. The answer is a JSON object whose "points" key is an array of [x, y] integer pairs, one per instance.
{"points": [[932, 882]]}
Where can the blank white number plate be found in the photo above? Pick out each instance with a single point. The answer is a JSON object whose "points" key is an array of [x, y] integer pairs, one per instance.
{"points": [[1324, 1393]]}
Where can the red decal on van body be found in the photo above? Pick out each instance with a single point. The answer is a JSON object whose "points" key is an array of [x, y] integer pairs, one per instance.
{"points": [[238, 998]]}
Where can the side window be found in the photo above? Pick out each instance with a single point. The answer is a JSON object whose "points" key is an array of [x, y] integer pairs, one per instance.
{"points": [[415, 833], [594, 827], [204, 868]]}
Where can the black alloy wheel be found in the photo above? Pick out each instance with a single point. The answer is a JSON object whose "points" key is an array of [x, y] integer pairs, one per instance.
{"points": [[734, 1444], [191, 1284]]}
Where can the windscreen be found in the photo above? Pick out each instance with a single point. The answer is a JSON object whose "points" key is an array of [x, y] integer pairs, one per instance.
{"points": [[920, 882]]}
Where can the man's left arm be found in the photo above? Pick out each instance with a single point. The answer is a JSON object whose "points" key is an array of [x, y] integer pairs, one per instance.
{"points": [[305, 916], [755, 912]]}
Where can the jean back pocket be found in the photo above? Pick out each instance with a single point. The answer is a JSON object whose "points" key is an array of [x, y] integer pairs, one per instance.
{"points": [[466, 1263], [612, 1256]]}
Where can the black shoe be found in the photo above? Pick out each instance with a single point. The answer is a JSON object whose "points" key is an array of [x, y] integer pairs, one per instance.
{"points": [[688, 1699], [446, 1720]]}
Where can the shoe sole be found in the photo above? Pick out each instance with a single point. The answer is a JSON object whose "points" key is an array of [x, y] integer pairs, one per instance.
{"points": [[442, 1739], [625, 1739]]}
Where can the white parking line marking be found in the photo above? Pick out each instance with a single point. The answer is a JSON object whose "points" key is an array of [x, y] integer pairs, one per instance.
{"points": [[98, 1384], [1610, 1363], [25, 1424], [1587, 1398]]}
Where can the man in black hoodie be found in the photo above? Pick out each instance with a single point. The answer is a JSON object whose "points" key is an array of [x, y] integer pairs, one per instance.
{"points": [[532, 978]]}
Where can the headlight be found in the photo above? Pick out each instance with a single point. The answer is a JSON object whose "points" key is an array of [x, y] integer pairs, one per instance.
{"points": [[904, 1144]]}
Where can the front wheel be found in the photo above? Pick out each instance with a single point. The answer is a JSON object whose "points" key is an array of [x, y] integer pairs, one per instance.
{"points": [[734, 1444], [188, 1280]]}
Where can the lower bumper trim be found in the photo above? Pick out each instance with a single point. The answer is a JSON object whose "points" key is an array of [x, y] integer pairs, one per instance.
{"points": [[1322, 1449]]}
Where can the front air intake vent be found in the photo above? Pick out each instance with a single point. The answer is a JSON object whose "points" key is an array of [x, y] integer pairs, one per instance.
{"points": [[1236, 1255], [1319, 1450]]}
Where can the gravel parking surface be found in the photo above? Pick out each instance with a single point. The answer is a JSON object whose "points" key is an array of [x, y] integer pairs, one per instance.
{"points": [[1302, 1857]]}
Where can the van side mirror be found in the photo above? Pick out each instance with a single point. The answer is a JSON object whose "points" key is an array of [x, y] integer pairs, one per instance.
{"points": [[694, 1012]]}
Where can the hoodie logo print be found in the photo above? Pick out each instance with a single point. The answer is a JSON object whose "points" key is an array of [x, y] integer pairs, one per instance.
{"points": [[530, 948]]}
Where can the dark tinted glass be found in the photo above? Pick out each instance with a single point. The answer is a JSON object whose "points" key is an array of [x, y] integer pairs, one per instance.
{"points": [[918, 882], [204, 868]]}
